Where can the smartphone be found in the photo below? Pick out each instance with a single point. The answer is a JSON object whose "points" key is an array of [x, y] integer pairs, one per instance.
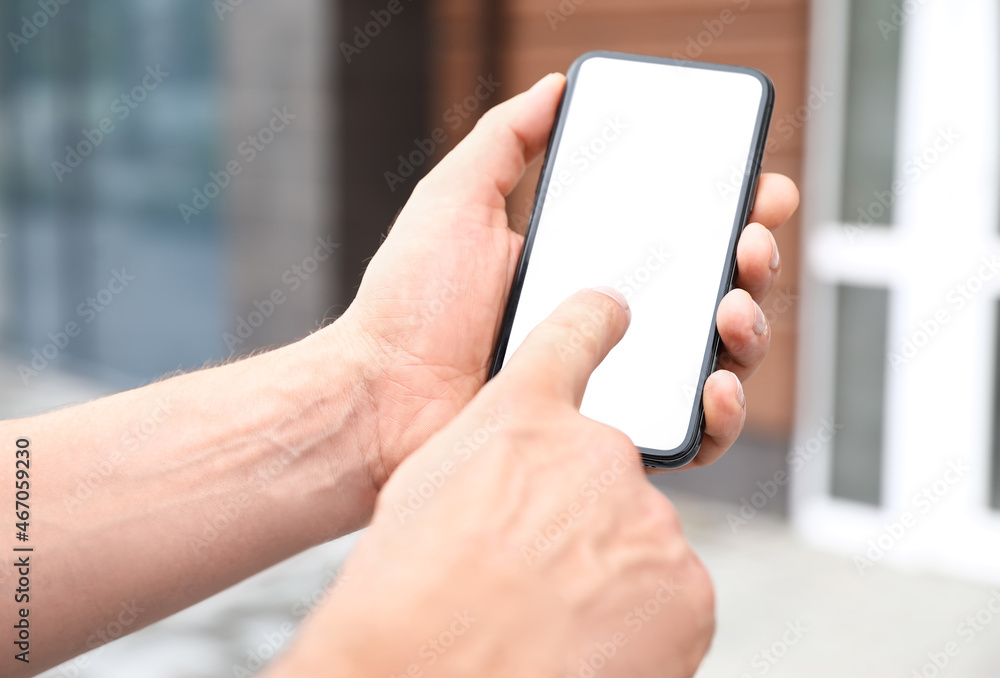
{"points": [[649, 178]]}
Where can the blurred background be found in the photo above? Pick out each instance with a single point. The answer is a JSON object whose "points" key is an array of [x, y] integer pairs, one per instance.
{"points": [[166, 165]]}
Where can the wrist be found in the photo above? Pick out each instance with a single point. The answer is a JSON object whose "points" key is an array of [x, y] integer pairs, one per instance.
{"points": [[327, 378], [367, 362]]}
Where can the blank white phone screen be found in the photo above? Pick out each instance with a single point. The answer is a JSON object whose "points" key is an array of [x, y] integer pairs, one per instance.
{"points": [[643, 197]]}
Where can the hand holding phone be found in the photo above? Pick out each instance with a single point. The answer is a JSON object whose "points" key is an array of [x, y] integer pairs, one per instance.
{"points": [[430, 306], [649, 178]]}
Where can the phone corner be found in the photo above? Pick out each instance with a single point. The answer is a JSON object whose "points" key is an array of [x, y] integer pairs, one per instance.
{"points": [[592, 54], [676, 458], [767, 85]]}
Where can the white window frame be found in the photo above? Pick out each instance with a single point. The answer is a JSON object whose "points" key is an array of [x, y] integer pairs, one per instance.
{"points": [[938, 407]]}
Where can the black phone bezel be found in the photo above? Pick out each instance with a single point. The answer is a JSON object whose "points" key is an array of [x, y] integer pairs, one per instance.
{"points": [[686, 452]]}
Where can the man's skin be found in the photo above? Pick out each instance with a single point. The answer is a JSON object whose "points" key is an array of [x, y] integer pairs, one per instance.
{"points": [[156, 498], [544, 552]]}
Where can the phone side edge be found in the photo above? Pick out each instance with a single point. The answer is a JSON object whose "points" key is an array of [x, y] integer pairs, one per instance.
{"points": [[686, 452]]}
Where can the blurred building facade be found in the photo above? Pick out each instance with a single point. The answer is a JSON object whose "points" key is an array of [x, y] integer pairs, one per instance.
{"points": [[276, 127], [181, 147], [82, 201]]}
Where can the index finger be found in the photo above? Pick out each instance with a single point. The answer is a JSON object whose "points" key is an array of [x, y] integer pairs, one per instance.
{"points": [[558, 357]]}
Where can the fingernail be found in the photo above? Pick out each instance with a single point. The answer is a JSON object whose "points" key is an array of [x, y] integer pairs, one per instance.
{"points": [[759, 321], [775, 255], [740, 397], [614, 294]]}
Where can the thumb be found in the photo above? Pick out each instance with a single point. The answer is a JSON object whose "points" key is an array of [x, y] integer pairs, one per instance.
{"points": [[558, 357], [508, 137]]}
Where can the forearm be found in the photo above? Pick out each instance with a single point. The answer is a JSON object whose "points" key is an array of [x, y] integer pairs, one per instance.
{"points": [[148, 501]]}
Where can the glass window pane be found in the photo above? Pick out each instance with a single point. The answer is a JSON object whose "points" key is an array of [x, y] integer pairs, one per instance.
{"points": [[870, 121], [862, 315], [995, 475], [146, 71]]}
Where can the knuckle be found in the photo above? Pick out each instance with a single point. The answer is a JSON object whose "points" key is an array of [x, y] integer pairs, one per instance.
{"points": [[703, 602], [532, 422], [664, 515], [609, 436], [605, 441], [681, 560], [702, 587]]}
